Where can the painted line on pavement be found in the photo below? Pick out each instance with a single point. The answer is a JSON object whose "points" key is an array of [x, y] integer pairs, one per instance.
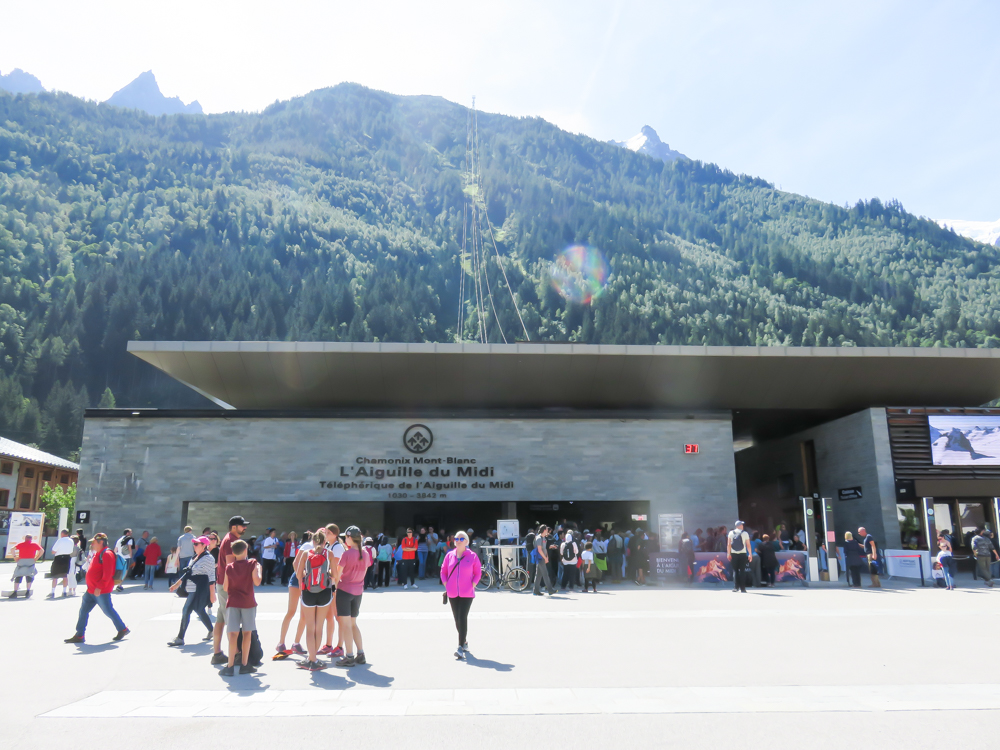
{"points": [[365, 701]]}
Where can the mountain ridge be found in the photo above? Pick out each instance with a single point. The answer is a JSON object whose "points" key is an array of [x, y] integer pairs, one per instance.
{"points": [[143, 92], [646, 141]]}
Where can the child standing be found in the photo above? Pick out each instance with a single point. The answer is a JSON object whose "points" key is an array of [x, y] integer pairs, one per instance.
{"points": [[591, 575], [172, 565], [241, 607]]}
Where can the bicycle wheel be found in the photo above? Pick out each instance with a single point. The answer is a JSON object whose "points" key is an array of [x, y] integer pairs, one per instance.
{"points": [[486, 581], [517, 579]]}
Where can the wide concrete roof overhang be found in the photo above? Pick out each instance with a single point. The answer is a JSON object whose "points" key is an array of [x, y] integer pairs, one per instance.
{"points": [[306, 375]]}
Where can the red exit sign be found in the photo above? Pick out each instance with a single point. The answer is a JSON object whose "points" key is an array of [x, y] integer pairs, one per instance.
{"points": [[691, 448]]}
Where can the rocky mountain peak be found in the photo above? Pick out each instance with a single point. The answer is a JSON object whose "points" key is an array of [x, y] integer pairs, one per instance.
{"points": [[144, 93]]}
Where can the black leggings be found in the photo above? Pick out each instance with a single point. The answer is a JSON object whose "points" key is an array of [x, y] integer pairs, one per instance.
{"points": [[382, 577], [196, 604], [460, 609]]}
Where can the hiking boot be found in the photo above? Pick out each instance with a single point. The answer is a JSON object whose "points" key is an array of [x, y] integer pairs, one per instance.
{"points": [[27, 594], [219, 658], [227, 671], [74, 639], [247, 669], [346, 661], [12, 595], [121, 634], [360, 658], [176, 642]]}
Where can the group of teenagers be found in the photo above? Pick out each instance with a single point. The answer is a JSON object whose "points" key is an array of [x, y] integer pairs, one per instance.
{"points": [[326, 586]]}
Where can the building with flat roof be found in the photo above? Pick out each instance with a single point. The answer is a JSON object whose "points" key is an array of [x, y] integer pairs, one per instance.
{"points": [[460, 435], [24, 473]]}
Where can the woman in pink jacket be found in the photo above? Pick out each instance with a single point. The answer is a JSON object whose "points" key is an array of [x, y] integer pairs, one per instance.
{"points": [[460, 573]]}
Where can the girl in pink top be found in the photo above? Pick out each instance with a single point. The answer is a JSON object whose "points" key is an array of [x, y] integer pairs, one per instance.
{"points": [[460, 573], [354, 563]]}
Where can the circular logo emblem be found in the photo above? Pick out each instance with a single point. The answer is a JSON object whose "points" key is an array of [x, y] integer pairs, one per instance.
{"points": [[418, 438], [809, 511]]}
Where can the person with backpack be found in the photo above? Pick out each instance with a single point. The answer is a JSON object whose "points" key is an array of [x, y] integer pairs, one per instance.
{"points": [[569, 551], [100, 581], [738, 552], [982, 547], [384, 557], [460, 572], [316, 584], [354, 564], [616, 553], [198, 579], [125, 549], [540, 552]]}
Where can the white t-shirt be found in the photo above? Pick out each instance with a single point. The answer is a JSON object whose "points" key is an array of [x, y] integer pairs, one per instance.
{"points": [[587, 556], [733, 535], [573, 548], [125, 550], [307, 547], [337, 549], [63, 546], [268, 547], [601, 546]]}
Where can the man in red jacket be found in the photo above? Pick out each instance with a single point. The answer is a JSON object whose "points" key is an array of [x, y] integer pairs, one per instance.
{"points": [[100, 582]]}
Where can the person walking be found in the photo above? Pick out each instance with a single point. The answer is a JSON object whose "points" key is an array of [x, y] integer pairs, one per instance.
{"points": [[985, 552], [237, 528], [100, 581], [738, 553], [946, 560], [354, 564], [316, 585], [768, 559], [541, 555], [871, 550], [685, 563], [27, 553], [269, 555], [151, 556], [591, 575], [198, 579], [460, 573], [422, 554], [62, 561], [854, 559], [569, 551], [185, 547], [125, 549], [409, 545], [384, 557]]}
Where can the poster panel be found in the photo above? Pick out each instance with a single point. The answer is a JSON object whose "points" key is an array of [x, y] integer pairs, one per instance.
{"points": [[905, 563], [791, 566], [711, 567], [664, 564], [964, 440], [22, 524], [671, 527]]}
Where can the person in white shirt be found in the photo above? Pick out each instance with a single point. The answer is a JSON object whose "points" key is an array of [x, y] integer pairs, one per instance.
{"points": [[740, 554], [62, 562], [269, 555], [569, 551]]}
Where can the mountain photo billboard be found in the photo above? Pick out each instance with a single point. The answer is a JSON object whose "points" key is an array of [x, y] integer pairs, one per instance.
{"points": [[965, 440]]}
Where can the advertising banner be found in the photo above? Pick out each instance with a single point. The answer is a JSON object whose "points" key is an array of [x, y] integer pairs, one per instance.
{"points": [[791, 567], [664, 564], [22, 524], [711, 567], [904, 563], [964, 440]]}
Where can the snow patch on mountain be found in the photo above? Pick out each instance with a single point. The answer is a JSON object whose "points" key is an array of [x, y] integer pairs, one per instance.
{"points": [[646, 141], [987, 232]]}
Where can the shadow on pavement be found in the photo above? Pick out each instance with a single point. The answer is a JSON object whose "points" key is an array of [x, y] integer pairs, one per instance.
{"points": [[488, 664], [363, 675], [244, 684], [93, 648], [329, 680]]}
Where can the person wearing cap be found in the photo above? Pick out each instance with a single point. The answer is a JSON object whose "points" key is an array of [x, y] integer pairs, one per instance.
{"points": [[739, 554], [353, 564], [237, 528], [199, 583], [100, 581], [269, 555], [28, 551]]}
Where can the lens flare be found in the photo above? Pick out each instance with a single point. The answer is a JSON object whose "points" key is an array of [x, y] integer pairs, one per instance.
{"points": [[580, 273]]}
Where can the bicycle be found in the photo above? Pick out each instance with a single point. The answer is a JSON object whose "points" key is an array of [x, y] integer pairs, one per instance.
{"points": [[514, 578]]}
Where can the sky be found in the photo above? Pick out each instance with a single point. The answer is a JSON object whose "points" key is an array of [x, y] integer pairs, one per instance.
{"points": [[840, 101]]}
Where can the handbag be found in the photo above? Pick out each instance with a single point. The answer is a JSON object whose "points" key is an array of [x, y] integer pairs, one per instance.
{"points": [[444, 595]]}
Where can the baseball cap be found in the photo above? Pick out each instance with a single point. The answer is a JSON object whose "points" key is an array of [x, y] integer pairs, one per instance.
{"points": [[739, 523], [200, 540], [238, 521]]}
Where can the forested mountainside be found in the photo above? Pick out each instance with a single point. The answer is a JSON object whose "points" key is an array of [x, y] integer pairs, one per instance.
{"points": [[338, 216]]}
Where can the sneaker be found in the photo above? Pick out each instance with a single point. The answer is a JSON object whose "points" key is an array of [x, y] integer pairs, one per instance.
{"points": [[325, 651], [360, 658], [339, 651], [12, 595], [298, 650], [459, 654], [209, 636], [176, 642], [414, 585], [219, 658], [27, 594], [52, 595], [280, 648], [465, 647], [346, 661], [247, 669], [227, 671], [120, 588], [121, 634], [406, 585], [74, 639]]}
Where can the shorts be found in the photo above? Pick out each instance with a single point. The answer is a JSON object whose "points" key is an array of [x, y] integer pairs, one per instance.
{"points": [[223, 598], [293, 582], [241, 618], [312, 600], [348, 605], [18, 579]]}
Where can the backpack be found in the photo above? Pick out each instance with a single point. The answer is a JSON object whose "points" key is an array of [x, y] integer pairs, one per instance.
{"points": [[317, 571], [568, 552], [737, 543]]}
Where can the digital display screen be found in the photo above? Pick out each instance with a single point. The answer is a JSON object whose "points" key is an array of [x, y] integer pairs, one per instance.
{"points": [[965, 440]]}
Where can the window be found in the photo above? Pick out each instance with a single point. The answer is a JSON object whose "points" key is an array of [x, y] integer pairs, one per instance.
{"points": [[4, 498], [911, 532], [7, 467], [64, 479], [25, 501], [29, 473], [46, 476]]}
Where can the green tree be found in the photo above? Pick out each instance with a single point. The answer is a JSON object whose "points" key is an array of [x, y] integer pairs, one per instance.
{"points": [[55, 497]]}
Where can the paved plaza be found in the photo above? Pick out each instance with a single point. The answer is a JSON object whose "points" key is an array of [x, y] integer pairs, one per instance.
{"points": [[663, 667]]}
